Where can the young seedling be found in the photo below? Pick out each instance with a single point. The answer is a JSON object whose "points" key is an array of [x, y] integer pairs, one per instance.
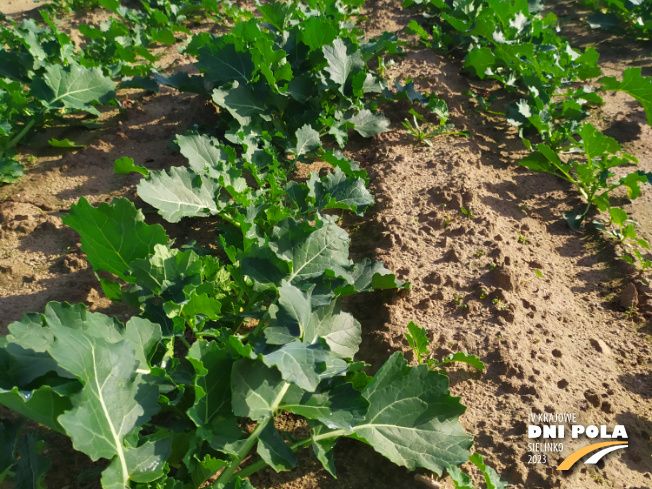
{"points": [[418, 341], [467, 212], [458, 300], [424, 131]]}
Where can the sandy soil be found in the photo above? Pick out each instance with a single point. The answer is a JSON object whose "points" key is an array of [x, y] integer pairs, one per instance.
{"points": [[558, 343]]}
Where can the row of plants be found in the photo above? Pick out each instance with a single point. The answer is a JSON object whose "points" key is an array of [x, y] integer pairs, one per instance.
{"points": [[45, 76], [554, 86], [633, 17], [229, 336]]}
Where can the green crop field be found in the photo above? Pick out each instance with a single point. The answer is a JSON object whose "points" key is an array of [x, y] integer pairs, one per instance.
{"points": [[239, 234]]}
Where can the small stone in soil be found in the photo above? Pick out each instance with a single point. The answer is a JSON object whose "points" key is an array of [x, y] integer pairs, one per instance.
{"points": [[600, 346]]}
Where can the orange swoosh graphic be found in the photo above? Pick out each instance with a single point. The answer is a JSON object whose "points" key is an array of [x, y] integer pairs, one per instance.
{"points": [[575, 456]]}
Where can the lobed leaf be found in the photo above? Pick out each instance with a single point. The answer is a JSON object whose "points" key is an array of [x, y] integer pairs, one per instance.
{"points": [[104, 231]]}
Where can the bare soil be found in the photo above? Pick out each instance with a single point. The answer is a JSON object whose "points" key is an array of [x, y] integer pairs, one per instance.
{"points": [[461, 220]]}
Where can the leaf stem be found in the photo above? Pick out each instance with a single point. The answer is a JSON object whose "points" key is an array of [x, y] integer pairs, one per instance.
{"points": [[19, 136], [225, 477], [261, 464]]}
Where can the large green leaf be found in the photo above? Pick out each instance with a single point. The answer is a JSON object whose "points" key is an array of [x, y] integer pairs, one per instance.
{"points": [[115, 400], [339, 407], [595, 143], [290, 316], [412, 418], [202, 153], [113, 236], [74, 87], [307, 140], [368, 124], [372, 275], [278, 14], [317, 32], [212, 382], [255, 389], [222, 63], [145, 463], [274, 451], [241, 101], [341, 64], [327, 248], [337, 191], [180, 193], [43, 404], [167, 271], [305, 364], [340, 329]]}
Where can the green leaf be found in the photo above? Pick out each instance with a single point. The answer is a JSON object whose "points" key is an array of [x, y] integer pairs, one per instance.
{"points": [[125, 165], [317, 32], [10, 170], [274, 451], [574, 219], [167, 271], [278, 14], [368, 124], [201, 152], [371, 275], [324, 452], [144, 464], [222, 63], [32, 466], [459, 478], [73, 87], [342, 332], [412, 419], [64, 143], [339, 407], [337, 191], [202, 305], [305, 364], [204, 157], [601, 20], [290, 317], [203, 469], [213, 382], [635, 85], [115, 400], [307, 140], [490, 476], [595, 143], [238, 483], [462, 357], [180, 193], [144, 336], [481, 60], [349, 167], [327, 248], [255, 388], [42, 405], [618, 216], [340, 63], [103, 231], [241, 101], [418, 341]]}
